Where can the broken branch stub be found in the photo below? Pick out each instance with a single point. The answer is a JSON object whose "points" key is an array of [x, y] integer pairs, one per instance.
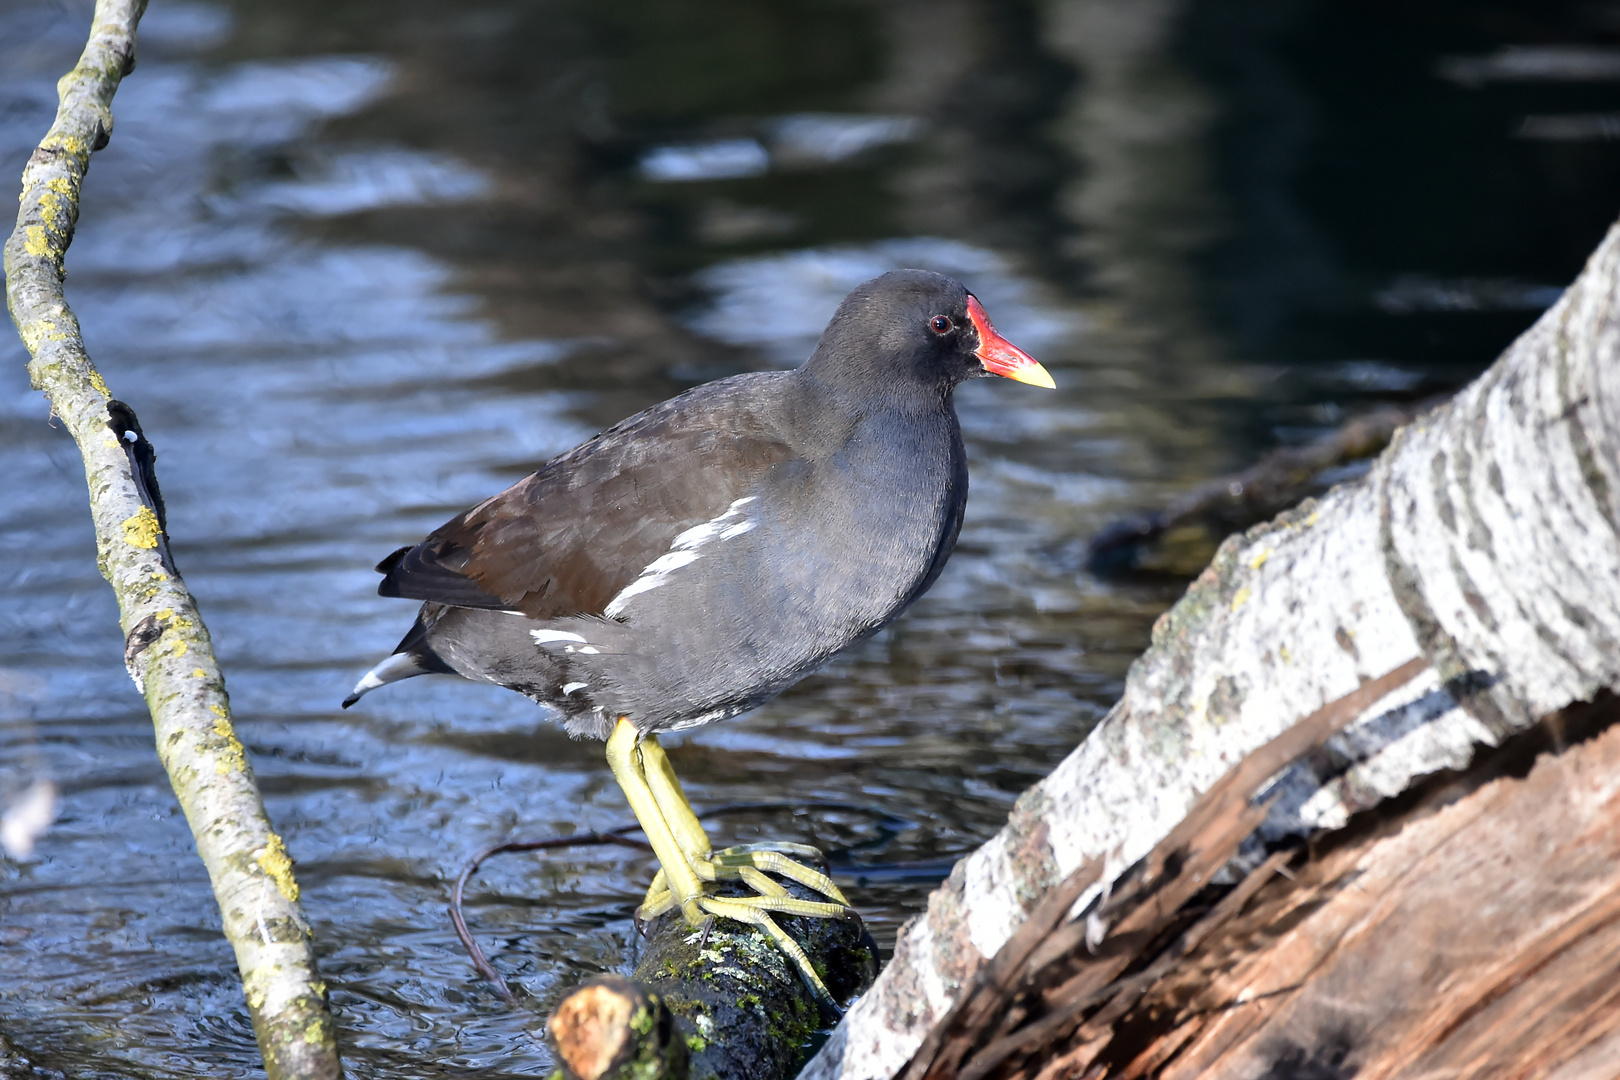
{"points": [[167, 648]]}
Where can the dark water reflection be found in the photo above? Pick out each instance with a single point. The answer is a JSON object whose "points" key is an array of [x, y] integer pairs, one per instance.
{"points": [[358, 265]]}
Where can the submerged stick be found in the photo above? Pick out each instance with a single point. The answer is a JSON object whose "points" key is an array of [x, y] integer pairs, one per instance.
{"points": [[167, 648]]}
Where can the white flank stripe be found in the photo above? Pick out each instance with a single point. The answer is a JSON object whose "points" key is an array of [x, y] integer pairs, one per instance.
{"points": [[683, 551], [569, 688], [543, 637]]}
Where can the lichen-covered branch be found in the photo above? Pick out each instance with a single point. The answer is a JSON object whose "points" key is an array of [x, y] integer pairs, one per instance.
{"points": [[1485, 541], [168, 651]]}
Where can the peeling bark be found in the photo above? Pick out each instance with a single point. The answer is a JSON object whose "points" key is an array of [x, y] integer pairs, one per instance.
{"points": [[1058, 980], [167, 647], [1485, 542]]}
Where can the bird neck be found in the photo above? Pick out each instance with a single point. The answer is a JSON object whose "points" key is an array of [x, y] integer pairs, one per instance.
{"points": [[865, 390]]}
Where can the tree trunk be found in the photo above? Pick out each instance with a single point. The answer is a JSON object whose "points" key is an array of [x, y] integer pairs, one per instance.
{"points": [[1485, 543]]}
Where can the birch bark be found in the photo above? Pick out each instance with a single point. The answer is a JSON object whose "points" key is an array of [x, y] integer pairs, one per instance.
{"points": [[1486, 540]]}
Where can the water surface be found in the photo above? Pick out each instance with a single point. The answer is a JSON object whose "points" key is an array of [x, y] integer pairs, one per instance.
{"points": [[359, 265]]}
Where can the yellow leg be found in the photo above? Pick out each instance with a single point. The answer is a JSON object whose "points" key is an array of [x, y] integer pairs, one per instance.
{"points": [[770, 857], [626, 765], [687, 859], [672, 800]]}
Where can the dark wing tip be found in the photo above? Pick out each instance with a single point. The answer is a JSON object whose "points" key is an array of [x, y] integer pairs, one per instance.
{"points": [[391, 560], [350, 700], [415, 573]]}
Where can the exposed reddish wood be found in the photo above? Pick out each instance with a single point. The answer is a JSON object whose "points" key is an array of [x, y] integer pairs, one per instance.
{"points": [[1474, 936], [611, 1028]]}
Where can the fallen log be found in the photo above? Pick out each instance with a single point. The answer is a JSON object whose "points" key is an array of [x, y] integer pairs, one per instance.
{"points": [[1484, 544], [1470, 928], [1057, 975], [1356, 963]]}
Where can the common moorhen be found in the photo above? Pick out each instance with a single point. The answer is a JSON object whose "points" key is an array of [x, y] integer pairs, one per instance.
{"points": [[692, 561]]}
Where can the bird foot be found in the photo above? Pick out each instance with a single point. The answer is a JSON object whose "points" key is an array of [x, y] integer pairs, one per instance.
{"points": [[747, 863]]}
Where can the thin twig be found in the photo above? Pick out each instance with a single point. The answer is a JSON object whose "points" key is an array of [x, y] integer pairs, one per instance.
{"points": [[459, 921]]}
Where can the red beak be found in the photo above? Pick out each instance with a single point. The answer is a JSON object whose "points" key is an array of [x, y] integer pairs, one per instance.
{"points": [[1000, 356]]}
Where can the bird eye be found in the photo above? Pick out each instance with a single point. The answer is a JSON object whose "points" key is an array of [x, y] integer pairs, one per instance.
{"points": [[941, 324]]}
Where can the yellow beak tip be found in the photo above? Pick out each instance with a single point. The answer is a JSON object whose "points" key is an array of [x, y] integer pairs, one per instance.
{"points": [[1034, 376]]}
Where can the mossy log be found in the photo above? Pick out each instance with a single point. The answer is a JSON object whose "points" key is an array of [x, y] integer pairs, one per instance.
{"points": [[167, 648], [739, 1009]]}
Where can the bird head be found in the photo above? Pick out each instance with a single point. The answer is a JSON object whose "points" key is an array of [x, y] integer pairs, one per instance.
{"points": [[911, 327]]}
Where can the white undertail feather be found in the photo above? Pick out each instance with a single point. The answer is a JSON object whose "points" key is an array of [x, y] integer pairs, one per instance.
{"points": [[683, 551], [396, 667]]}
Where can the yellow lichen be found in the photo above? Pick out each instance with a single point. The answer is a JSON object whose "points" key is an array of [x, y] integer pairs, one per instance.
{"points": [[254, 988], [273, 860], [99, 383], [65, 141], [50, 208], [35, 242], [1242, 597], [198, 673], [175, 622], [233, 758], [315, 1030], [1260, 560], [141, 529]]}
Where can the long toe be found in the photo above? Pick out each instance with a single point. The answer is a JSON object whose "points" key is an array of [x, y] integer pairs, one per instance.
{"points": [[773, 861], [728, 908]]}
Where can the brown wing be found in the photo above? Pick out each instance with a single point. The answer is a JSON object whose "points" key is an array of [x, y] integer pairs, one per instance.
{"points": [[568, 538]]}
